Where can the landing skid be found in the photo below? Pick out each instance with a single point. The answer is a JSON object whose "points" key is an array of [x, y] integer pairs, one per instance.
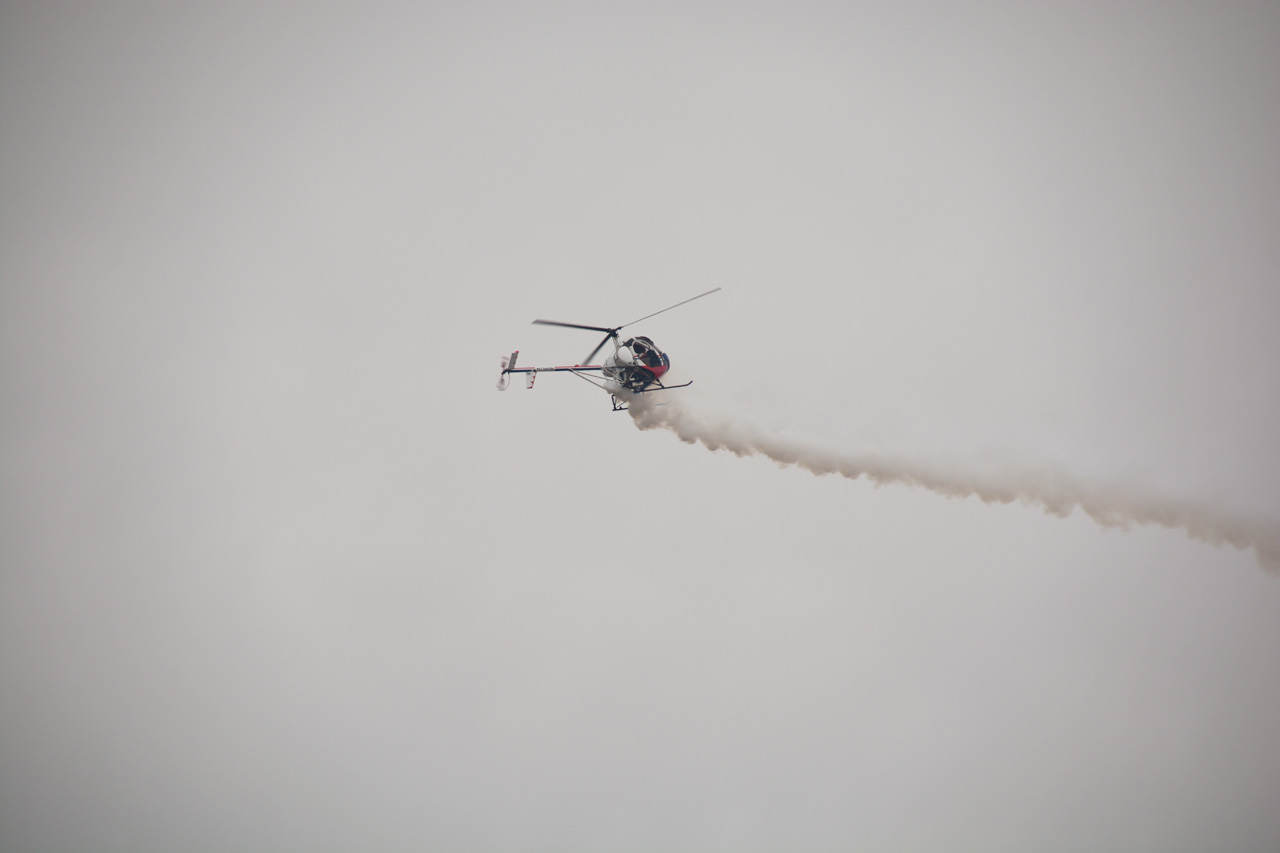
{"points": [[657, 387]]}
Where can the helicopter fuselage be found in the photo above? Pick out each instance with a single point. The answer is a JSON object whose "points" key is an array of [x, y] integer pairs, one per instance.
{"points": [[636, 364]]}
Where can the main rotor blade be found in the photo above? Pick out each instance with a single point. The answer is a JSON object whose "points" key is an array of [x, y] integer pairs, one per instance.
{"points": [[664, 310], [575, 326], [600, 346]]}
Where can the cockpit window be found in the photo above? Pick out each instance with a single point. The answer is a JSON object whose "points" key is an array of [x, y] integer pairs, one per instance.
{"points": [[644, 352]]}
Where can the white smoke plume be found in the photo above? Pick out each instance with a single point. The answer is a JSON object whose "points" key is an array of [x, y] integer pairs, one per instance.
{"points": [[1053, 489]]}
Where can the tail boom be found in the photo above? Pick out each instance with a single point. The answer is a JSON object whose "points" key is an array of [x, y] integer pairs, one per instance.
{"points": [[509, 367]]}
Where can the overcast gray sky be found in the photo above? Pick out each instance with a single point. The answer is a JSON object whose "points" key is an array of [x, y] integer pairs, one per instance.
{"points": [[281, 570]]}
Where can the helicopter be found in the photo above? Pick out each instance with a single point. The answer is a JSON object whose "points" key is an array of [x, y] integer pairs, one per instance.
{"points": [[636, 365]]}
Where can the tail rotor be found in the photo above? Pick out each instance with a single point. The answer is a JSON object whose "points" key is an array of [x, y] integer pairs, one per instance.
{"points": [[508, 365]]}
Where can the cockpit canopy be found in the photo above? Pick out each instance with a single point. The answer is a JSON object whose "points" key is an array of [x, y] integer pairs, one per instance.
{"points": [[644, 353], [636, 365]]}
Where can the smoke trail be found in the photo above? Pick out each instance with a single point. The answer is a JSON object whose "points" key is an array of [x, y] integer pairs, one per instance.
{"points": [[1053, 489]]}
